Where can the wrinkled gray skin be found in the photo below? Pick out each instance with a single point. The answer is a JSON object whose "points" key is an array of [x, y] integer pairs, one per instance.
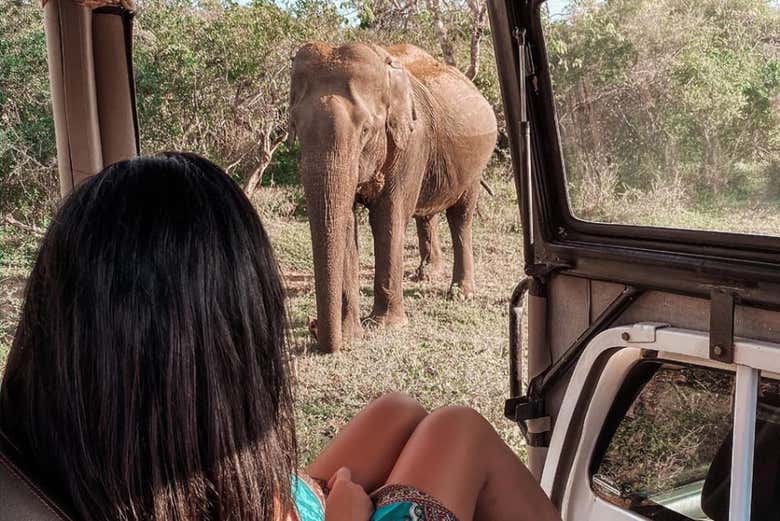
{"points": [[402, 134]]}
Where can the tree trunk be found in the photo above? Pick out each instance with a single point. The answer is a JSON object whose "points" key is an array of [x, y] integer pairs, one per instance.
{"points": [[434, 6], [268, 148], [477, 32]]}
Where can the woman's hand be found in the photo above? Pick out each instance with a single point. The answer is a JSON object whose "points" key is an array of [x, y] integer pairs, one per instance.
{"points": [[347, 501]]}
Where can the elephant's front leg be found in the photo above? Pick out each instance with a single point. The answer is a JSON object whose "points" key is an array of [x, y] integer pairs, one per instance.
{"points": [[388, 223], [430, 250], [350, 314]]}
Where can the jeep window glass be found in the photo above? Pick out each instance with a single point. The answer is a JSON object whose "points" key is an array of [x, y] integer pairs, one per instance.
{"points": [[669, 112], [661, 457]]}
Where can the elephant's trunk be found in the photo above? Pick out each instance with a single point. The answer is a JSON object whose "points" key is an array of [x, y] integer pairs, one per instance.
{"points": [[329, 183]]}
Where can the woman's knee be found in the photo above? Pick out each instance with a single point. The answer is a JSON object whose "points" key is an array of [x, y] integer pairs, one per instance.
{"points": [[401, 407], [457, 424], [458, 414]]}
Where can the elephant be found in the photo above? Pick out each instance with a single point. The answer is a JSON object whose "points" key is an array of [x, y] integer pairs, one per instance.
{"points": [[402, 134]]}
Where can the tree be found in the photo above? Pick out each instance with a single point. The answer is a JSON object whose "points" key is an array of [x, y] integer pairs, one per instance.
{"points": [[478, 11], [219, 80], [456, 27], [666, 92]]}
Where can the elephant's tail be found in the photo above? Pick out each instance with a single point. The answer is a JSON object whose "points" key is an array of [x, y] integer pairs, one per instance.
{"points": [[487, 187]]}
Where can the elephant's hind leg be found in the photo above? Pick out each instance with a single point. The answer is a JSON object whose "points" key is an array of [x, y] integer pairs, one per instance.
{"points": [[460, 218], [430, 250]]}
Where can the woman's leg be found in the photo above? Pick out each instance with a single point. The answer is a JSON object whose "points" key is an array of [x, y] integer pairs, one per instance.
{"points": [[456, 456], [370, 444]]}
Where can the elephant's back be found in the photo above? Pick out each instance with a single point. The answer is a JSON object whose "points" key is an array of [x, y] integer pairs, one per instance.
{"points": [[419, 63], [426, 69], [458, 99]]}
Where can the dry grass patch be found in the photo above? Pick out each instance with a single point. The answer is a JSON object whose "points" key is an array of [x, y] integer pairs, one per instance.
{"points": [[450, 352]]}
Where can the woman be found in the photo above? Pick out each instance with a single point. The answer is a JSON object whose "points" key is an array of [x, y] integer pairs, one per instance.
{"points": [[148, 376]]}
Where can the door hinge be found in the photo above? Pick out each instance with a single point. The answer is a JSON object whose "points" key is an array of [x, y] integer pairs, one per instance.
{"points": [[527, 413], [526, 59]]}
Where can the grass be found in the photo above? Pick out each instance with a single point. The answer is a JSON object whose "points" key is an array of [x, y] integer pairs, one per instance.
{"points": [[672, 431], [450, 352], [677, 205]]}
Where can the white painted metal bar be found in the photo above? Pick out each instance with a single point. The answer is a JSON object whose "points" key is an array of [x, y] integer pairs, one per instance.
{"points": [[745, 405]]}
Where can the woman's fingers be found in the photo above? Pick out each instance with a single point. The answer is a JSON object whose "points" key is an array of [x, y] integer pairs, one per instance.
{"points": [[341, 474], [347, 501]]}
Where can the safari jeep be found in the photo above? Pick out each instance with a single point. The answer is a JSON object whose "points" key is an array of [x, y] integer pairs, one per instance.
{"points": [[644, 359]]}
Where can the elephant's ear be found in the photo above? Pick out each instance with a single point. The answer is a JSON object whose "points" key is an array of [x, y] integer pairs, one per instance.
{"points": [[401, 112], [297, 87], [291, 131]]}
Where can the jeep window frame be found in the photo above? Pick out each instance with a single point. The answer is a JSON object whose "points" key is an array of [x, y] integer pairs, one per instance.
{"points": [[679, 260], [607, 360]]}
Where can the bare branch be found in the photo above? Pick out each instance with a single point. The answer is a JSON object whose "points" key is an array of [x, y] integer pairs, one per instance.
{"points": [[9, 219], [269, 148]]}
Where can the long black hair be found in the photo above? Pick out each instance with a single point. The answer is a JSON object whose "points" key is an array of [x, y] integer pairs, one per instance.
{"points": [[148, 378]]}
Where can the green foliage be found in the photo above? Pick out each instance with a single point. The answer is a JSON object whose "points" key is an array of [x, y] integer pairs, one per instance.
{"points": [[654, 97], [213, 78], [772, 176], [679, 93], [284, 168], [27, 146]]}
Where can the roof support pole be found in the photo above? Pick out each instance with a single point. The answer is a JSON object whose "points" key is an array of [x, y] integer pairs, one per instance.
{"points": [[71, 77], [112, 39], [92, 88]]}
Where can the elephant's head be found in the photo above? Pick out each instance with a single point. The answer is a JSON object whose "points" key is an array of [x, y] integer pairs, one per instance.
{"points": [[351, 107]]}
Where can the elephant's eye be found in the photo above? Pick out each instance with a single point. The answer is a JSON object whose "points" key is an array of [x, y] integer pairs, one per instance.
{"points": [[366, 130]]}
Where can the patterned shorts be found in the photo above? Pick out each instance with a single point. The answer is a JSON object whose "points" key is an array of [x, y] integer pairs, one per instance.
{"points": [[392, 503], [403, 503]]}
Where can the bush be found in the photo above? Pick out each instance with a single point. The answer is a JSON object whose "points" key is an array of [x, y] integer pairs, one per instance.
{"points": [[28, 177], [772, 173]]}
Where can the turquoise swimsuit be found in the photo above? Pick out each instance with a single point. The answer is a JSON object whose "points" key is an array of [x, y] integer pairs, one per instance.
{"points": [[307, 504], [393, 503]]}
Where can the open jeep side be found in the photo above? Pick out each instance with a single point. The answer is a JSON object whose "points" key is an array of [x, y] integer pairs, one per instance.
{"points": [[647, 388]]}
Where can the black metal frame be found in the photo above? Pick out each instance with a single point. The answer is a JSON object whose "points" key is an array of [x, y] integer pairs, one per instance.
{"points": [[520, 409]]}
